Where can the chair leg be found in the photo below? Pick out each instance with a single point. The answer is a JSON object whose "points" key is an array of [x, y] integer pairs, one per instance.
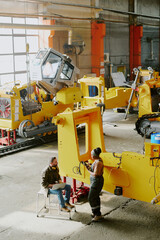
{"points": [[59, 209], [37, 204], [47, 204], [49, 200], [38, 210], [44, 201]]}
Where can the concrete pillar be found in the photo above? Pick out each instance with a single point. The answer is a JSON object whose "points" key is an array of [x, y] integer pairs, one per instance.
{"points": [[136, 33], [98, 31]]}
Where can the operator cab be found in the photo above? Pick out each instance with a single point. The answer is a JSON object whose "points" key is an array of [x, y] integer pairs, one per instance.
{"points": [[53, 70]]}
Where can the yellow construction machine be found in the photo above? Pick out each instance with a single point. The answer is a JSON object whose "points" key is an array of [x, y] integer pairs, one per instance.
{"points": [[149, 107], [107, 98], [122, 95], [142, 93], [28, 109], [127, 173]]}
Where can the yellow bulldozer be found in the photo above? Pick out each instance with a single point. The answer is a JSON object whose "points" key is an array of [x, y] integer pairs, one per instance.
{"points": [[27, 109]]}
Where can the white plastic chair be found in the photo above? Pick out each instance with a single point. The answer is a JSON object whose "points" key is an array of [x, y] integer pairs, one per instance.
{"points": [[50, 202]]}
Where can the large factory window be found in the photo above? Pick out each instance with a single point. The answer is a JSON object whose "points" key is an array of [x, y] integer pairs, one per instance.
{"points": [[13, 49]]}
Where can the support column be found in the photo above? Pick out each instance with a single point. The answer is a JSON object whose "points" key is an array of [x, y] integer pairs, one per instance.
{"points": [[136, 33], [50, 38], [46, 37], [98, 31]]}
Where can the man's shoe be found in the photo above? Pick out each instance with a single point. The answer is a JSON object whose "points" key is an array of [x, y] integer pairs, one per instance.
{"points": [[69, 205], [97, 218], [65, 209]]}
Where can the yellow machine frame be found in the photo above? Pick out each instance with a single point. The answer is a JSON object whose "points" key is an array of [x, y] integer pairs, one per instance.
{"points": [[137, 175], [29, 108], [145, 101], [117, 97], [112, 98], [65, 97]]}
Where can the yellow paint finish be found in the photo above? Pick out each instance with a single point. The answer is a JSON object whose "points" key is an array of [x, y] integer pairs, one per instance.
{"points": [[145, 101], [98, 82], [117, 97], [68, 139], [135, 173], [48, 109], [145, 105], [69, 95], [112, 98]]}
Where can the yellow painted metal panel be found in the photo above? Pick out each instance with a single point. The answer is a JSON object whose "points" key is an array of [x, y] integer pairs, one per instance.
{"points": [[69, 95], [48, 109], [138, 175]]}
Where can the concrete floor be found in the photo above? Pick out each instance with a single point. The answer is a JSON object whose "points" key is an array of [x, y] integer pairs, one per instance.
{"points": [[20, 180]]}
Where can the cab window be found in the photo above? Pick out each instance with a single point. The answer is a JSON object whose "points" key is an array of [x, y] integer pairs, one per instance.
{"points": [[67, 72]]}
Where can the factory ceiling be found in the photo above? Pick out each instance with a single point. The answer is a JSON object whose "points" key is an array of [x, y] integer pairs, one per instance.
{"points": [[48, 9]]}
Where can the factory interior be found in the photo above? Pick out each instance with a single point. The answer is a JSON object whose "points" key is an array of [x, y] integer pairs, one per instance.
{"points": [[79, 119]]}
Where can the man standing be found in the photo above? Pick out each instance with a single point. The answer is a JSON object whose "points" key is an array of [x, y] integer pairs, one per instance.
{"points": [[50, 177]]}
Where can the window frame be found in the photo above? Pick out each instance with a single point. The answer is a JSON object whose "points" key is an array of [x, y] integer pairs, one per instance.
{"points": [[14, 54]]}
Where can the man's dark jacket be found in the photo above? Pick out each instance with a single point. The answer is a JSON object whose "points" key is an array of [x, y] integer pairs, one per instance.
{"points": [[49, 176]]}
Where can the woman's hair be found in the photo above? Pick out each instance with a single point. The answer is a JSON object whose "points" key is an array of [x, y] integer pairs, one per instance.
{"points": [[52, 159], [96, 152]]}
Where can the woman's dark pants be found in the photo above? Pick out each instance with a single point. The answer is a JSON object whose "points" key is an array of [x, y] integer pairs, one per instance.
{"points": [[93, 197]]}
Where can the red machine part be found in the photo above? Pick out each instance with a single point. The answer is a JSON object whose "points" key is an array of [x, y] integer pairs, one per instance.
{"points": [[5, 108], [78, 192], [7, 137]]}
